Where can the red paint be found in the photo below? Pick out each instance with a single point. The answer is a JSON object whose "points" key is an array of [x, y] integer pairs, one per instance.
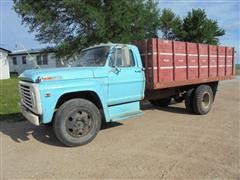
{"points": [[174, 63]]}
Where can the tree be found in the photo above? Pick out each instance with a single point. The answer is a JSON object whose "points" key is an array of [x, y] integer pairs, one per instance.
{"points": [[195, 27], [74, 24], [198, 28], [170, 25]]}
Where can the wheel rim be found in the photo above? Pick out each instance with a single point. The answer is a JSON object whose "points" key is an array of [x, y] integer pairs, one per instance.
{"points": [[206, 100], [79, 123]]}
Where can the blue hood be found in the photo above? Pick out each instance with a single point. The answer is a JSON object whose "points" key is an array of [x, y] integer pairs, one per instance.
{"points": [[34, 75]]}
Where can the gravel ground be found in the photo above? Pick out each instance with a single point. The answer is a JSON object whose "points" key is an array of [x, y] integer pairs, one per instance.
{"points": [[163, 143]]}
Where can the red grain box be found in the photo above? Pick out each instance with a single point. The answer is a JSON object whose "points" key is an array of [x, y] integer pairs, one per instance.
{"points": [[174, 63]]}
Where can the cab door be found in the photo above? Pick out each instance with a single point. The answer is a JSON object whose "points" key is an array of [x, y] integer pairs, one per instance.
{"points": [[126, 78]]}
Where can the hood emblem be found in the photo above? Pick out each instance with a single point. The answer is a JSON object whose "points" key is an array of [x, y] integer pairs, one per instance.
{"points": [[47, 78]]}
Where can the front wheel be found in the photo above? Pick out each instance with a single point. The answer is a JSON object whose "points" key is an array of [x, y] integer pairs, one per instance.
{"points": [[77, 122]]}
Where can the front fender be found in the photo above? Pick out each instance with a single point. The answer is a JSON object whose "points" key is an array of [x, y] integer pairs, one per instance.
{"points": [[51, 91]]}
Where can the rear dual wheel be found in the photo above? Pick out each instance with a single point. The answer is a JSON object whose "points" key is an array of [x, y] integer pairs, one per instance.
{"points": [[203, 99], [199, 100], [189, 101]]}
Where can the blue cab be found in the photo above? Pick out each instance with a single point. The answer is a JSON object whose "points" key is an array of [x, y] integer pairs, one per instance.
{"points": [[106, 83]]}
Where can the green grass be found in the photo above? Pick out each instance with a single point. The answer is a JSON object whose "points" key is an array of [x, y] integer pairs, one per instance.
{"points": [[9, 99], [237, 69]]}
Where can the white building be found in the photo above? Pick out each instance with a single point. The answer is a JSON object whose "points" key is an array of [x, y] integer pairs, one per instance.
{"points": [[22, 60], [4, 64]]}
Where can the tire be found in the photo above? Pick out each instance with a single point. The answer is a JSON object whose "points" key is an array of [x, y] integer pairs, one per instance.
{"points": [[77, 122], [161, 102], [189, 101], [203, 99], [214, 88]]}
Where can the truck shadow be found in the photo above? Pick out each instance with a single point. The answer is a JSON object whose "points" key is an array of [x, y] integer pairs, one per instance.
{"points": [[24, 131], [172, 108], [12, 117]]}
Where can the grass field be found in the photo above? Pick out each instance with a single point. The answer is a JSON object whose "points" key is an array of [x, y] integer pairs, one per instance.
{"points": [[9, 99], [237, 69]]}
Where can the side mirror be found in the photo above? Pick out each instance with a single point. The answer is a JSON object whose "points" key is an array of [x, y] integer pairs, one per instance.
{"points": [[113, 61], [115, 70]]}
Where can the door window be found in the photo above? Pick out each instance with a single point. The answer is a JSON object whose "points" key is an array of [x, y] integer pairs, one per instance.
{"points": [[122, 57]]}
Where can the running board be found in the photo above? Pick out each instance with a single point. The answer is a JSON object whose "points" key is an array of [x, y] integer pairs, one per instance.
{"points": [[124, 111], [127, 115]]}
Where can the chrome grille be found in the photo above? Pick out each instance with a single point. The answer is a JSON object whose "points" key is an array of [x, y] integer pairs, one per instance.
{"points": [[25, 93]]}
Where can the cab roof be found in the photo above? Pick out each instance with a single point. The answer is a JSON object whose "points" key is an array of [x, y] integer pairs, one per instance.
{"points": [[105, 44]]}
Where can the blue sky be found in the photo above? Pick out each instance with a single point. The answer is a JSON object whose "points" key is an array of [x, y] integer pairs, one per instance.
{"points": [[226, 12]]}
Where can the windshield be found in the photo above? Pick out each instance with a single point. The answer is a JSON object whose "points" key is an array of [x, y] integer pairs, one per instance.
{"points": [[93, 57]]}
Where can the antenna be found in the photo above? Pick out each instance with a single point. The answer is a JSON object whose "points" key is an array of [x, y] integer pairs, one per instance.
{"points": [[29, 55]]}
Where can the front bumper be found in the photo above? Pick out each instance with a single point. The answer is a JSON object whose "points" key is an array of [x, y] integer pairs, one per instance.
{"points": [[34, 119]]}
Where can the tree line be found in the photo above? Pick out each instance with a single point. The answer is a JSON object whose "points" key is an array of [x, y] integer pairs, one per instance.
{"points": [[74, 24]]}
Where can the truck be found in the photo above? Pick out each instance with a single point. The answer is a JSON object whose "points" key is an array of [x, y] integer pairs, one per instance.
{"points": [[108, 81]]}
